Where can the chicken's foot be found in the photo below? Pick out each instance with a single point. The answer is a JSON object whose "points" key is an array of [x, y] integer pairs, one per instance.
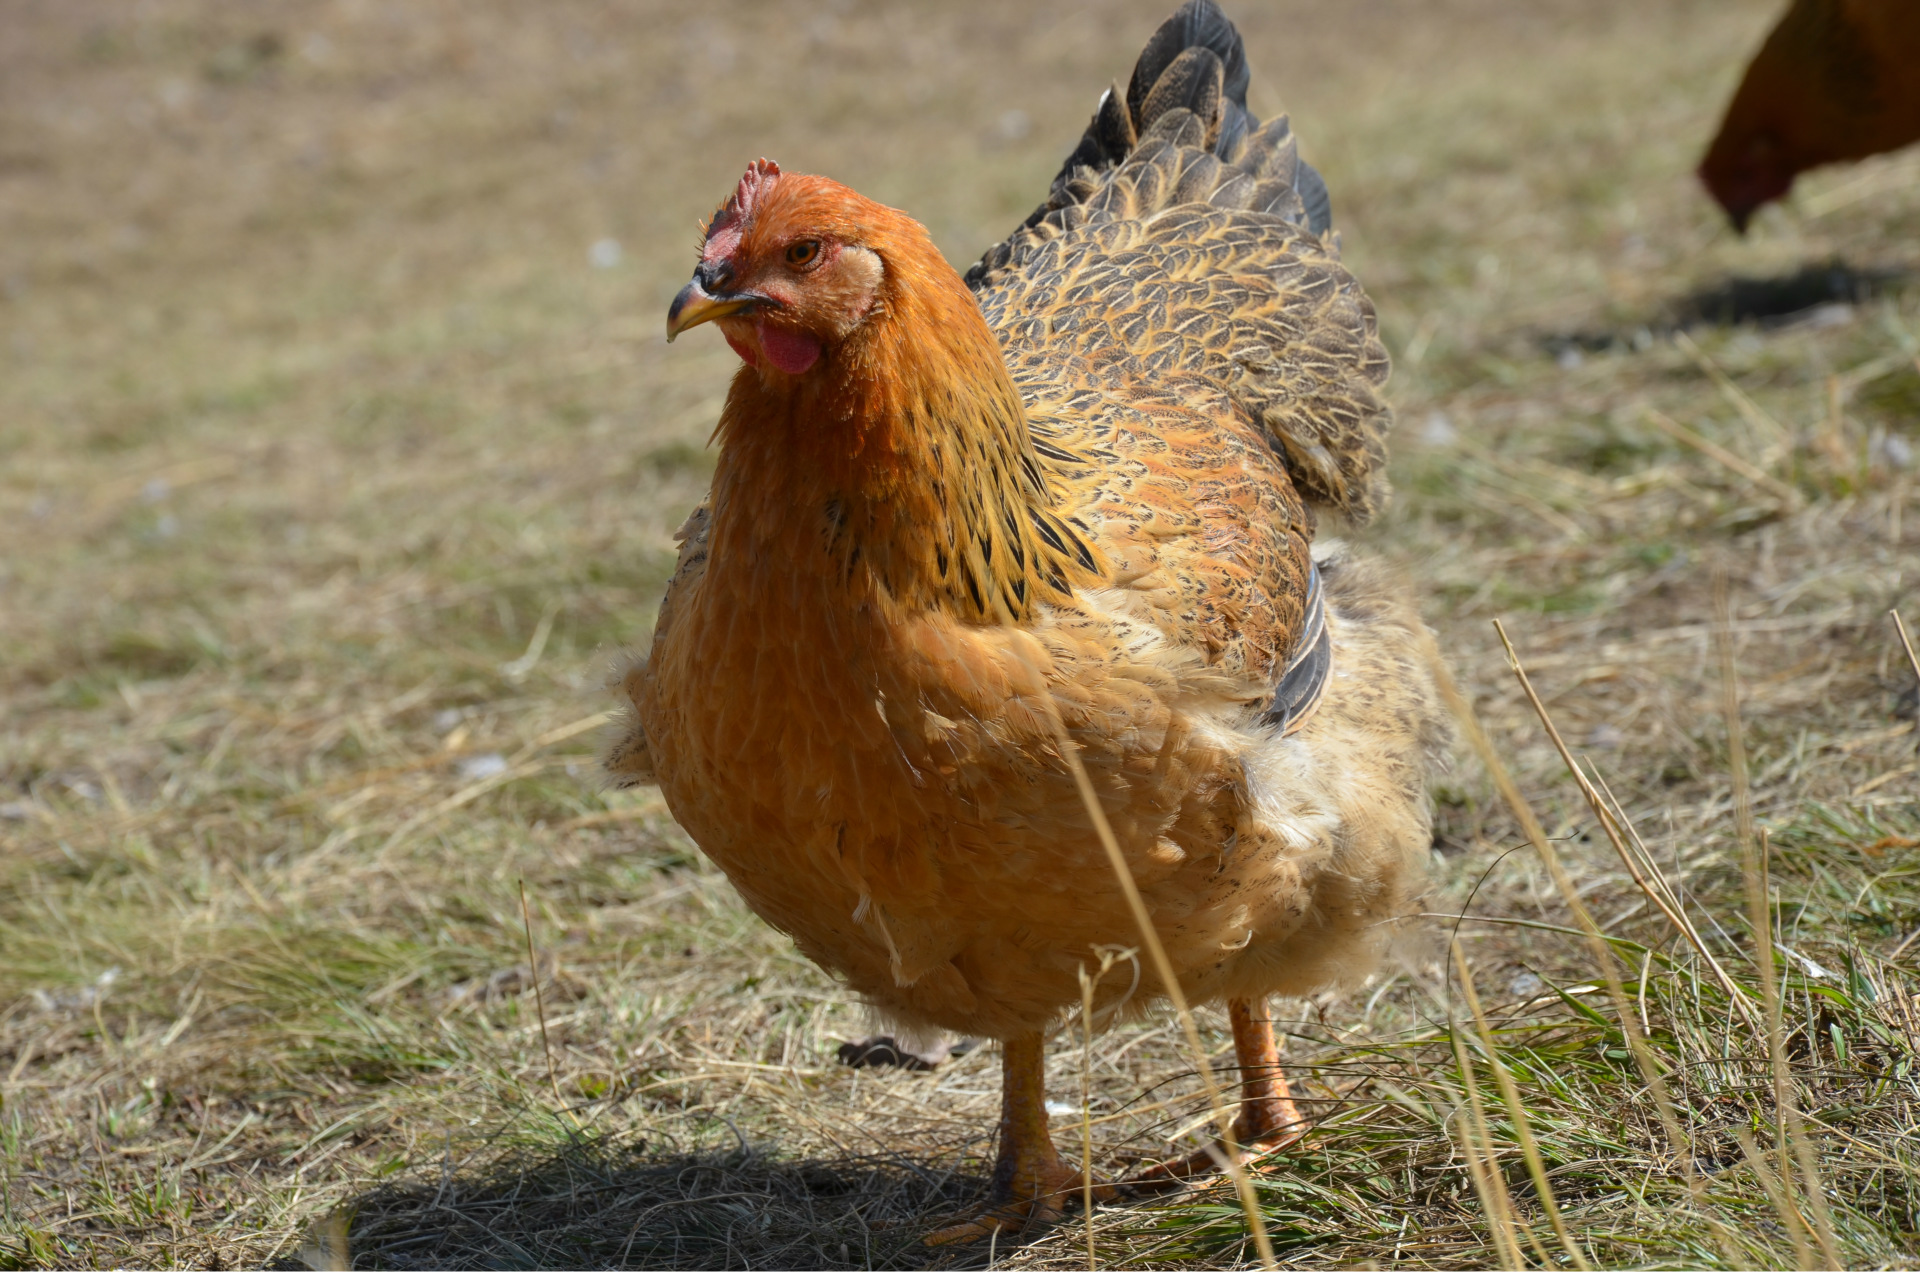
{"points": [[1268, 1118], [884, 1051], [1030, 1182]]}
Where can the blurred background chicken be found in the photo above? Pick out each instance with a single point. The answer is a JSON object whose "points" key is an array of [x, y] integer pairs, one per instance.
{"points": [[1836, 80], [1072, 493]]}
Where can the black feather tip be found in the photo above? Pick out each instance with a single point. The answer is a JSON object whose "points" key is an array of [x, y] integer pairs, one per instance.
{"points": [[1196, 24]]}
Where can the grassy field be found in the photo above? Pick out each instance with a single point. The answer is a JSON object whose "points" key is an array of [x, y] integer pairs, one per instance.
{"points": [[339, 454]]}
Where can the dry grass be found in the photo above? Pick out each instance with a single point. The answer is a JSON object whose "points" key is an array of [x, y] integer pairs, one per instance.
{"points": [[333, 473]]}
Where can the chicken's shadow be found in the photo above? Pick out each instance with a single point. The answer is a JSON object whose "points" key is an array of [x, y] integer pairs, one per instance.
{"points": [[1814, 293], [1780, 299], [593, 1204]]}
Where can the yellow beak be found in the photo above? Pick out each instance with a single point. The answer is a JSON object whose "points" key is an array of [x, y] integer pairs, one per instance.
{"points": [[694, 305]]}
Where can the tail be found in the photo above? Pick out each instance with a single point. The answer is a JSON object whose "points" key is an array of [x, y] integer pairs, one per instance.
{"points": [[1196, 61], [1175, 176], [1189, 87]]}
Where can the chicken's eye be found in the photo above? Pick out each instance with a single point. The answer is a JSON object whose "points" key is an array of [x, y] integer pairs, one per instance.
{"points": [[804, 253]]}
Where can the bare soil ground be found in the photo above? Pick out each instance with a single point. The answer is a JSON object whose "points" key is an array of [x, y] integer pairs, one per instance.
{"points": [[339, 452]]}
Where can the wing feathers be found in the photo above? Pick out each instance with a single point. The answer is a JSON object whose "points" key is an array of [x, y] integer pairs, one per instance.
{"points": [[1236, 191], [1179, 182], [1201, 178]]}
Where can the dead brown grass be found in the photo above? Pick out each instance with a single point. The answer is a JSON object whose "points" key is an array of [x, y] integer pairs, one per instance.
{"points": [[333, 473]]}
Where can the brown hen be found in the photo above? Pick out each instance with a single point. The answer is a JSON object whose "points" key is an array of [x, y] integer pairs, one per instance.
{"points": [[952, 521], [1835, 80]]}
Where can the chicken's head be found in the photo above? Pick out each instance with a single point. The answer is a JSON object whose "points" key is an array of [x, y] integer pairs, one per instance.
{"points": [[1747, 168], [787, 269]]}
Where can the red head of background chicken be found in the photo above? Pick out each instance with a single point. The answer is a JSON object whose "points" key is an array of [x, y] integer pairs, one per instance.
{"points": [[1836, 80]]}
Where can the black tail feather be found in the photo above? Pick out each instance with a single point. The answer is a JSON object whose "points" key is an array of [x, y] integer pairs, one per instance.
{"points": [[1199, 24], [1312, 188], [1191, 82], [1175, 182], [1195, 62]]}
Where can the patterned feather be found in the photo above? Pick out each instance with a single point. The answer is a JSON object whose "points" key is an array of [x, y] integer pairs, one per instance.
{"points": [[1188, 235]]}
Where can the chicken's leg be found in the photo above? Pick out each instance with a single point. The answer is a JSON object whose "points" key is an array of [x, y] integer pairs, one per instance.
{"points": [[1268, 1118], [1030, 1182]]}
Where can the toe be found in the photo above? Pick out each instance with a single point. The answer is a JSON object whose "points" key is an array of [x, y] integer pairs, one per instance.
{"points": [[1177, 1171], [1015, 1216], [972, 1230]]}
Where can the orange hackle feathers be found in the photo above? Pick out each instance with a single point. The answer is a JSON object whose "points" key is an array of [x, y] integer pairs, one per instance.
{"points": [[908, 449]]}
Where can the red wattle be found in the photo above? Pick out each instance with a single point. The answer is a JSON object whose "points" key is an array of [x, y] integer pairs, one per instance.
{"points": [[745, 351], [791, 351]]}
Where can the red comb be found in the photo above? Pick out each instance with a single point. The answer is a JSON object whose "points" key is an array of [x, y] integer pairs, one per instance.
{"points": [[723, 232]]}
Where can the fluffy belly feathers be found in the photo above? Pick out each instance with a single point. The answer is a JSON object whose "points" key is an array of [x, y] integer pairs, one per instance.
{"points": [[895, 801]]}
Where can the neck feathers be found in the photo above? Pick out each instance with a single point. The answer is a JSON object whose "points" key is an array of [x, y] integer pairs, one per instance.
{"points": [[904, 461]]}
